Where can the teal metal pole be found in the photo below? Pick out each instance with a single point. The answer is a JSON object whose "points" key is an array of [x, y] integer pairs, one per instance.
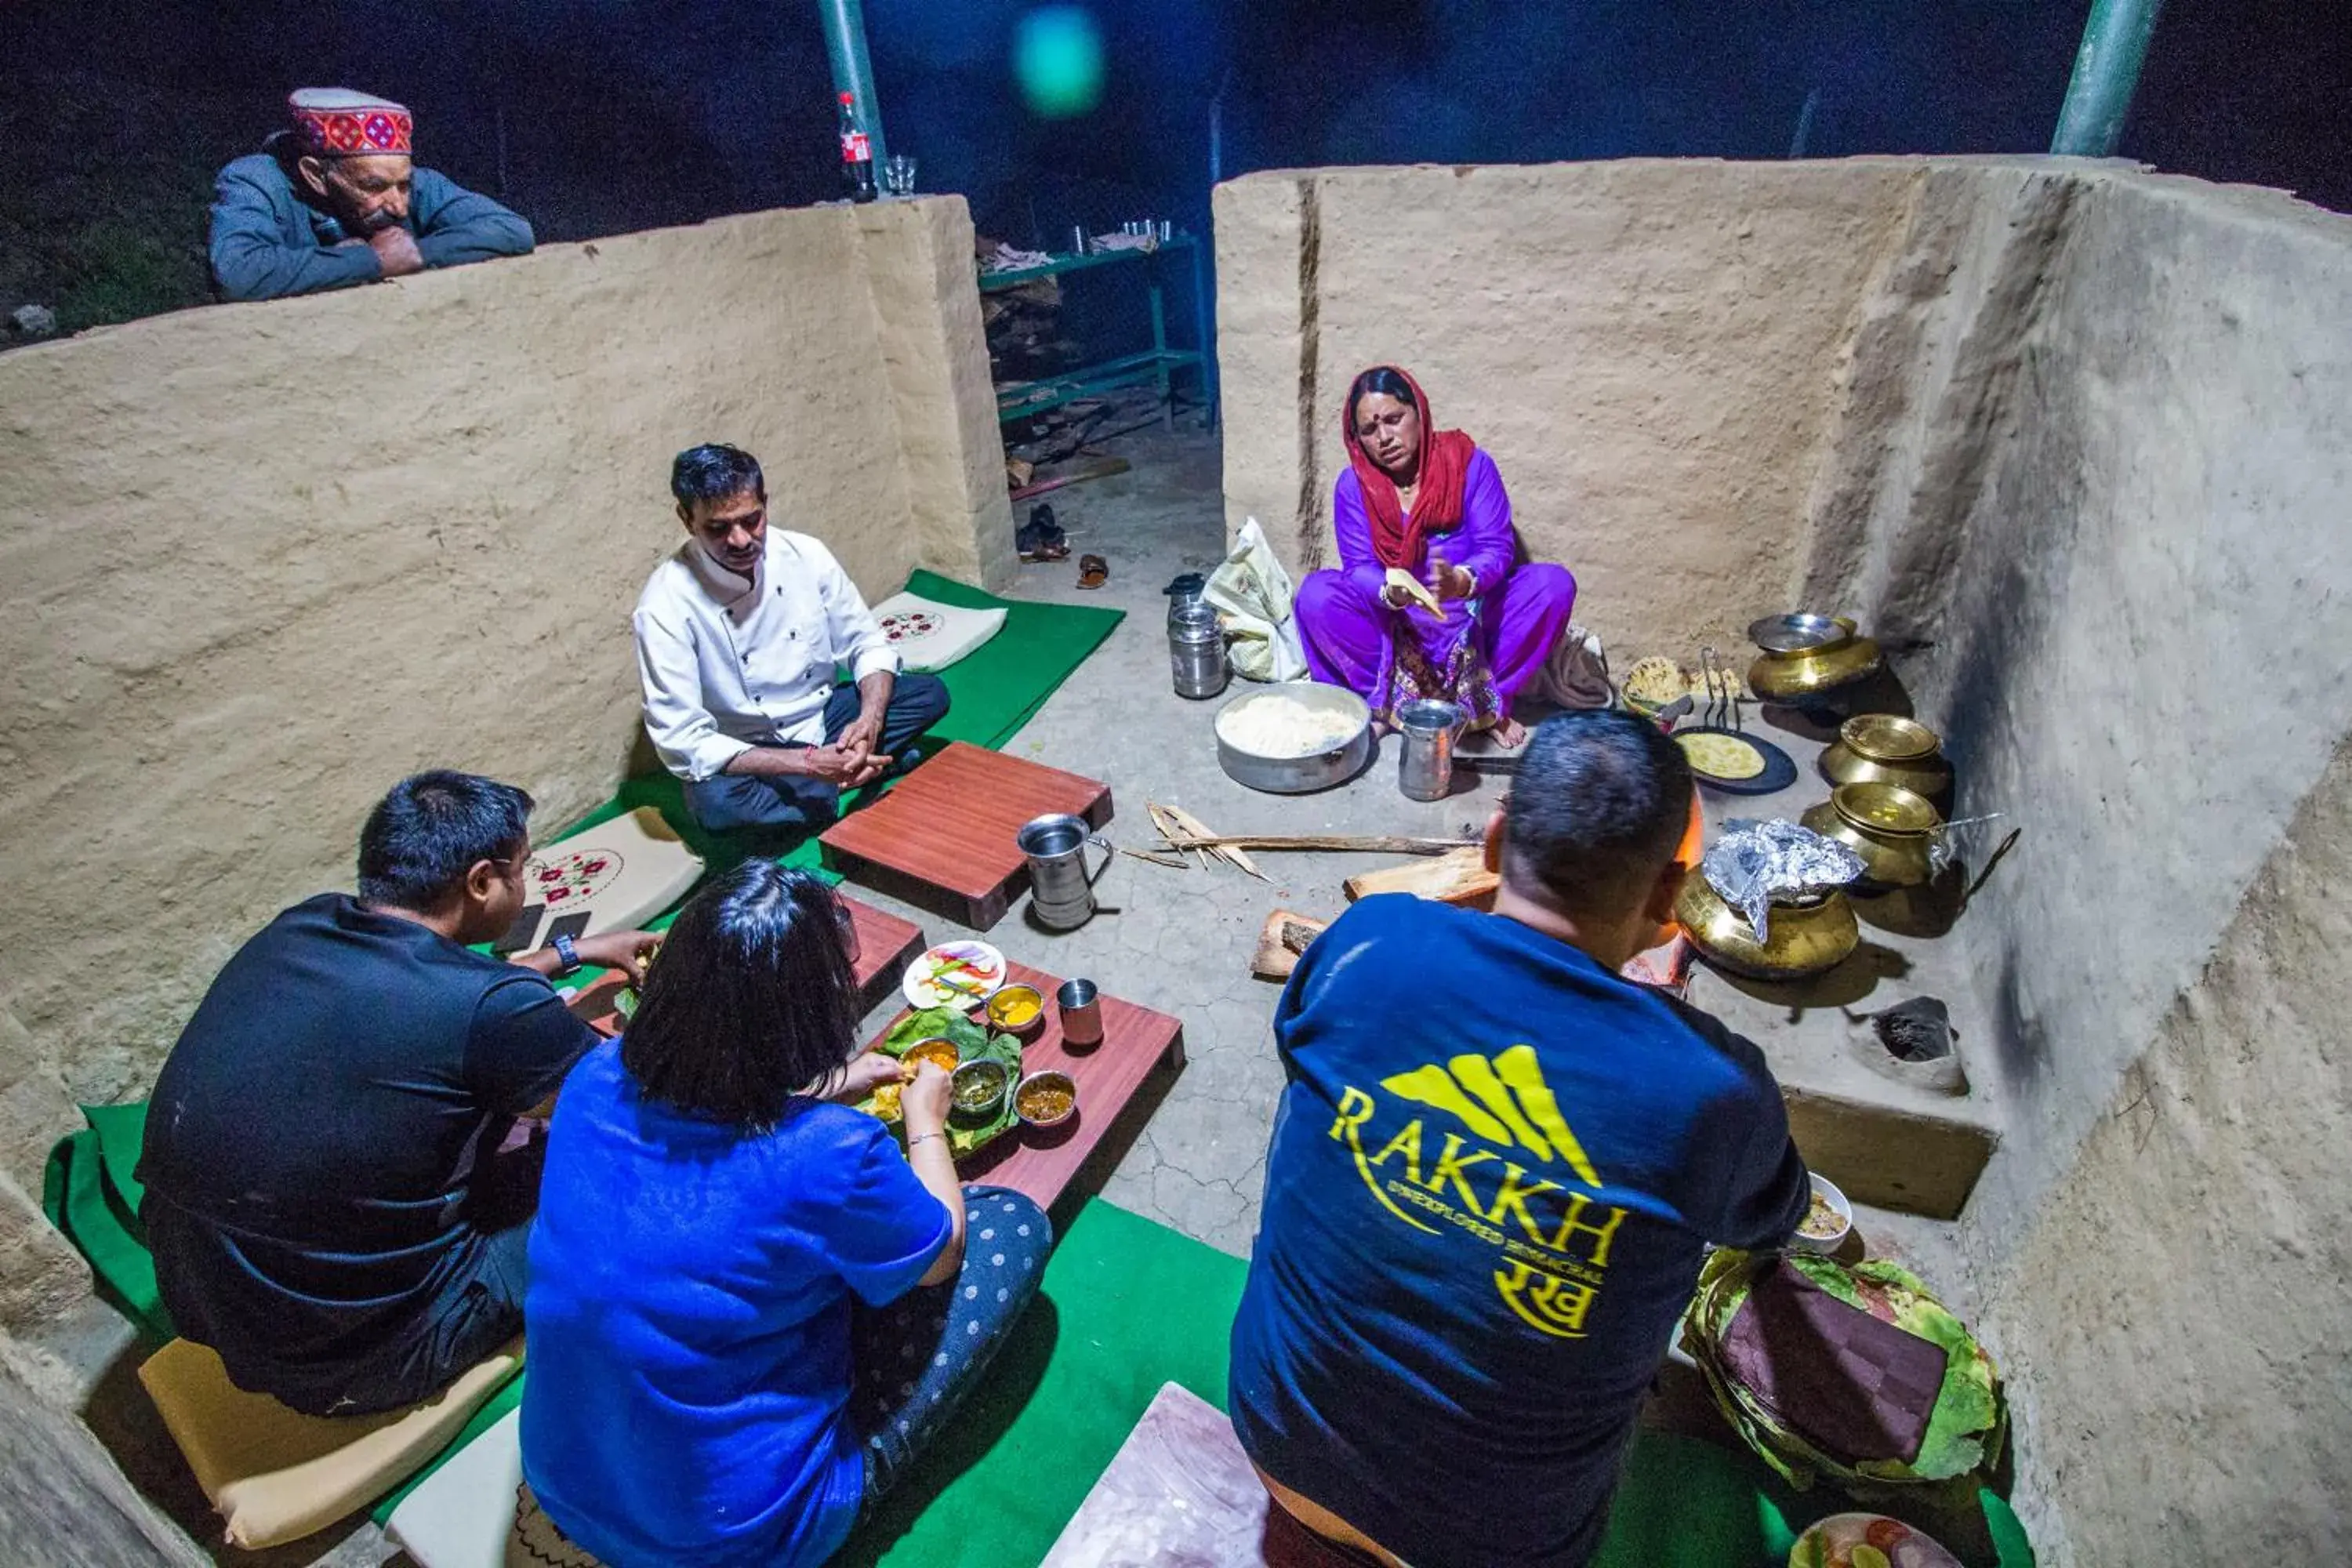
{"points": [[2106, 74], [852, 73]]}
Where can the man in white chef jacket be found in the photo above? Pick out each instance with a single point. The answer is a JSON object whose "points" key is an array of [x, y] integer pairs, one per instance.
{"points": [[740, 635]]}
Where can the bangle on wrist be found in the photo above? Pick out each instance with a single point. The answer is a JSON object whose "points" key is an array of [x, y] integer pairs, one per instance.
{"points": [[921, 1138]]}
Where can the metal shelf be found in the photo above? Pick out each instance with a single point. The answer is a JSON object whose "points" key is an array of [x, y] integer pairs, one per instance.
{"points": [[1159, 364]]}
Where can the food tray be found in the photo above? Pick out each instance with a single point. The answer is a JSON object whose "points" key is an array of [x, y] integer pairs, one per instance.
{"points": [[962, 1139]]}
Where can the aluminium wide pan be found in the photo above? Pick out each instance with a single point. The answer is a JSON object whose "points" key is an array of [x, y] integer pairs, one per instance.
{"points": [[1300, 776]]}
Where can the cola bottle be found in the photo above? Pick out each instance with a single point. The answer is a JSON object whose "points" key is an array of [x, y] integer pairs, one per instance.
{"points": [[856, 152]]}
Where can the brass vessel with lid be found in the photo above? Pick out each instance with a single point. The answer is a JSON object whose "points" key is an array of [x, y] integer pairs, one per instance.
{"points": [[1892, 829], [1801, 939], [1807, 657], [1885, 748]]}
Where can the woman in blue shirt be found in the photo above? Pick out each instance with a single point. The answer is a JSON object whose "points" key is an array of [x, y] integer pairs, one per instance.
{"points": [[748, 1309]]}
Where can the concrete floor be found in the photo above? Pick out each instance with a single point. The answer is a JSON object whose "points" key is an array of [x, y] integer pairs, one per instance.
{"points": [[1177, 940]]}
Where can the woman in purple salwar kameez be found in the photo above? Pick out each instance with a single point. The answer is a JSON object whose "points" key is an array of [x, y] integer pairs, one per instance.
{"points": [[1429, 503]]}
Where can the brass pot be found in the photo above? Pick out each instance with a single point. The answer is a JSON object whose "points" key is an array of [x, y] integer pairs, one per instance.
{"points": [[1891, 827], [1805, 657], [1881, 748], [1804, 939]]}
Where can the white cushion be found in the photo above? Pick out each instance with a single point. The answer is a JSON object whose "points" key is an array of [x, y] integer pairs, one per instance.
{"points": [[461, 1515], [928, 635], [623, 873]]}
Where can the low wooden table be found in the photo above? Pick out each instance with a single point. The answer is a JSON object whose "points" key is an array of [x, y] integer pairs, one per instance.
{"points": [[886, 945], [1119, 1083], [943, 838]]}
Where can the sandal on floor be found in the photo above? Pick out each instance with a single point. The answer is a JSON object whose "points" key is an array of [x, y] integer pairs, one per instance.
{"points": [[1035, 543], [1093, 571]]}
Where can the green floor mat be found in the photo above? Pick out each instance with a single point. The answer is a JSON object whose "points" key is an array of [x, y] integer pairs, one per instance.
{"points": [[1000, 684], [122, 1130], [90, 1194], [1684, 1502]]}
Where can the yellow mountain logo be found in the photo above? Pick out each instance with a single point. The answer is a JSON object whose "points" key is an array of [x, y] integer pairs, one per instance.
{"points": [[1492, 1184], [1503, 1101]]}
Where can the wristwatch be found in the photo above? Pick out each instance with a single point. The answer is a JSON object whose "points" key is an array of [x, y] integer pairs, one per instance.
{"points": [[567, 956]]}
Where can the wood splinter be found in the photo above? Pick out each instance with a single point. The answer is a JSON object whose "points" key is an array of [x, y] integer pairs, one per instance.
{"points": [[1185, 831], [1283, 937]]}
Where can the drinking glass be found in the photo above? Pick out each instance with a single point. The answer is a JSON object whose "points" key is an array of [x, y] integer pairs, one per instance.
{"points": [[898, 176]]}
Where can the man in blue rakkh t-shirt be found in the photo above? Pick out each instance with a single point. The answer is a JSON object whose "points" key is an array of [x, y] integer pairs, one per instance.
{"points": [[1492, 1176]]}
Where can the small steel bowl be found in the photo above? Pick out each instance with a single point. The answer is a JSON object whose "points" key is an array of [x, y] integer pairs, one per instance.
{"points": [[982, 1069], [1010, 996], [1045, 1081]]}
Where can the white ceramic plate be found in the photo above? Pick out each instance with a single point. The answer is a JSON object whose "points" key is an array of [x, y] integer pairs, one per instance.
{"points": [[1867, 1541], [952, 973]]}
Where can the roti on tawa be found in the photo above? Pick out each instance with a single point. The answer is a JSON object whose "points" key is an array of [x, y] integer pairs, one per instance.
{"points": [[1721, 756]]}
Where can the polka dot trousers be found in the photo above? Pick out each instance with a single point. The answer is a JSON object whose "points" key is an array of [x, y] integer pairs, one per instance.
{"points": [[914, 1360]]}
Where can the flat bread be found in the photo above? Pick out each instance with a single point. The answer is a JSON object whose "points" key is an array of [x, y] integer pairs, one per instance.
{"points": [[1721, 756], [1413, 589], [1656, 682]]}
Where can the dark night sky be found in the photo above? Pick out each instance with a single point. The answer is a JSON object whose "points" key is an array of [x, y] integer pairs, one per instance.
{"points": [[621, 114]]}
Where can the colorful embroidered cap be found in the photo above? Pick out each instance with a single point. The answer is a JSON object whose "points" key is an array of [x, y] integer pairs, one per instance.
{"points": [[336, 122]]}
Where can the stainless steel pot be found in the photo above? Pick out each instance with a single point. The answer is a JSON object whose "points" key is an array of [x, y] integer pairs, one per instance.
{"points": [[1196, 650], [1300, 776]]}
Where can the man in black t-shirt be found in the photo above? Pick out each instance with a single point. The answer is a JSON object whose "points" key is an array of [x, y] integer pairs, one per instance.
{"points": [[318, 1140]]}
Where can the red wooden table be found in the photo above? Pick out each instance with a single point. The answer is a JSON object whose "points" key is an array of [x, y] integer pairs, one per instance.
{"points": [[1118, 1082], [943, 838], [886, 945]]}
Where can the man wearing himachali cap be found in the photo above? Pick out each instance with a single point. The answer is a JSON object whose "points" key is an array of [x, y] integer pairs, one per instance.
{"points": [[336, 200]]}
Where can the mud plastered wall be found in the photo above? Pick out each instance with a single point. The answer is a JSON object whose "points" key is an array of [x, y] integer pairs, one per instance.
{"points": [[1650, 351], [257, 562], [2073, 440], [2174, 1316], [2112, 448]]}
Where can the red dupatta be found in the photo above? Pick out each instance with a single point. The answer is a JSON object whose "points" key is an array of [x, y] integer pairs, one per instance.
{"points": [[1397, 540]]}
